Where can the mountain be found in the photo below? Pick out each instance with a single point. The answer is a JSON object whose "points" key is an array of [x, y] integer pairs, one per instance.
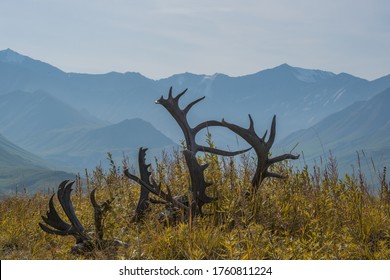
{"points": [[299, 97], [19, 169], [67, 137], [89, 149], [41, 123], [362, 126]]}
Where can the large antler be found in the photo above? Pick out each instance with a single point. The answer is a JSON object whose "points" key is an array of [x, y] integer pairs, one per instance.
{"points": [[196, 171], [261, 148], [59, 226], [180, 115]]}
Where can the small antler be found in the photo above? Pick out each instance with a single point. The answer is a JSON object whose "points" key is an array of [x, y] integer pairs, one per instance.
{"points": [[59, 226], [261, 148], [56, 225], [155, 189], [143, 201], [99, 212]]}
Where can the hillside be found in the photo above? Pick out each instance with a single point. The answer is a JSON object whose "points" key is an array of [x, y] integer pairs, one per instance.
{"points": [[39, 122], [21, 169], [363, 126], [90, 148]]}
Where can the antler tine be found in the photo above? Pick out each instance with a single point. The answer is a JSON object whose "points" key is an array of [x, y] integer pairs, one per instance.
{"points": [[99, 211], [177, 97], [93, 198], [271, 138], [189, 106], [54, 220], [170, 93], [63, 194], [221, 152]]}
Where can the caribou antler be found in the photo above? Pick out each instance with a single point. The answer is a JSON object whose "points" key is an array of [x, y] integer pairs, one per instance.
{"points": [[56, 225], [59, 226], [198, 182], [196, 171], [99, 211], [180, 115], [261, 148], [143, 202], [155, 189]]}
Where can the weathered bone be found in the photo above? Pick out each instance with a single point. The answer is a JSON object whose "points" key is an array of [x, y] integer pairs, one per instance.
{"points": [[262, 149]]}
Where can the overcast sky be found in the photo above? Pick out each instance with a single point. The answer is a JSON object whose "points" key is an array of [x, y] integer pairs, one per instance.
{"points": [[159, 38]]}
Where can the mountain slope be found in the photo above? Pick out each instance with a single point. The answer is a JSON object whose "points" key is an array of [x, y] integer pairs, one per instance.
{"points": [[67, 137], [21, 169], [90, 147], [363, 126], [39, 122]]}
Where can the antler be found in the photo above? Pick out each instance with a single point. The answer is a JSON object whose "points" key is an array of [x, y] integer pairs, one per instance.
{"points": [[198, 182], [99, 211], [59, 226], [55, 225], [180, 115], [155, 189], [261, 148], [143, 201]]}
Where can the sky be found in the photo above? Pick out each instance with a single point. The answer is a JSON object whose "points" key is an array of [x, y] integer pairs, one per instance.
{"points": [[159, 38]]}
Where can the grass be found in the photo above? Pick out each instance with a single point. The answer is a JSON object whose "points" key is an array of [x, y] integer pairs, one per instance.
{"points": [[310, 215]]}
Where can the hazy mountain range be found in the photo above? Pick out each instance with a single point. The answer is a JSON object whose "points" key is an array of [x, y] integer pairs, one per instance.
{"points": [[72, 120]]}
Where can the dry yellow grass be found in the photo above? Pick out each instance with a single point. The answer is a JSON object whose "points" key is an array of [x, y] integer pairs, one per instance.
{"points": [[306, 216]]}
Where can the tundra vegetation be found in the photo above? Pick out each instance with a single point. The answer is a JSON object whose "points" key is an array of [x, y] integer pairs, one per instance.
{"points": [[209, 205]]}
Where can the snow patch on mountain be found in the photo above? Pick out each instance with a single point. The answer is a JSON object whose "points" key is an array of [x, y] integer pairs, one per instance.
{"points": [[311, 76]]}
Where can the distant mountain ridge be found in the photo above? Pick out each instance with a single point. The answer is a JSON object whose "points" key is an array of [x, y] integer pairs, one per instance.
{"points": [[299, 97], [363, 126]]}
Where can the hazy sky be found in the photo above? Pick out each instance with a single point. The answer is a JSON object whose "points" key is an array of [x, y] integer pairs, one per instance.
{"points": [[159, 38]]}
